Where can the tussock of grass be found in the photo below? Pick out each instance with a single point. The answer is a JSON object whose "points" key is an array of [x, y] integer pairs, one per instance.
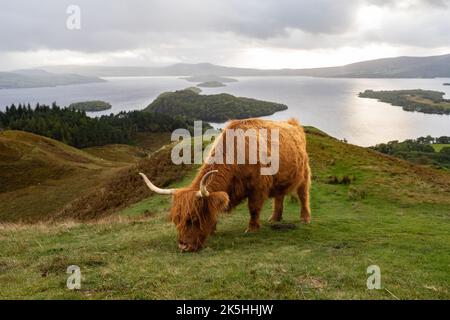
{"points": [[345, 179], [356, 193]]}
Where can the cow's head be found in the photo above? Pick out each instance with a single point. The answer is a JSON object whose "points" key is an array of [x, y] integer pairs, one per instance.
{"points": [[194, 212]]}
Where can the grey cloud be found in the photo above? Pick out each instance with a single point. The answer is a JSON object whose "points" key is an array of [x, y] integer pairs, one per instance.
{"points": [[412, 3], [179, 27], [114, 25]]}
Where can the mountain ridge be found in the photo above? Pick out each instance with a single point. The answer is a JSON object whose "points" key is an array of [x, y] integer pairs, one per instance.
{"points": [[393, 67], [37, 78]]}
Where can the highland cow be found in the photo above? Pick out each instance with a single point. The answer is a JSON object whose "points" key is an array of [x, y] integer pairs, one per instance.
{"points": [[220, 187]]}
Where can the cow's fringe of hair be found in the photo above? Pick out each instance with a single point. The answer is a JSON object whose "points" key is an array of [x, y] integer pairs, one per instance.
{"points": [[194, 208]]}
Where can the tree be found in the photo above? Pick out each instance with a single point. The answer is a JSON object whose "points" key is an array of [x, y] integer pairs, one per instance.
{"points": [[445, 151], [77, 129]]}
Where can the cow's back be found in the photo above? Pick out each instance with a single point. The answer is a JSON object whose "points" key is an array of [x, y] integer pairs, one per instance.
{"points": [[292, 160]]}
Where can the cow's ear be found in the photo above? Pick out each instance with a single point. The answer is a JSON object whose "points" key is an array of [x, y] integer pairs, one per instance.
{"points": [[219, 200]]}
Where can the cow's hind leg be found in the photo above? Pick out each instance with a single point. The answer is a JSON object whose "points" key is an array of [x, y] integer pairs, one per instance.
{"points": [[255, 204], [214, 229], [277, 213], [303, 194]]}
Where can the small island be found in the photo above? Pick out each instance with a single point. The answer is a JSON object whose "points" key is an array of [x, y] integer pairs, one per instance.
{"points": [[212, 108], [425, 101], [446, 84], [211, 84], [209, 78], [91, 106]]}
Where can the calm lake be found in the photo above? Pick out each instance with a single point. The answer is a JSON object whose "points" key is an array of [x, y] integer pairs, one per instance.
{"points": [[331, 105]]}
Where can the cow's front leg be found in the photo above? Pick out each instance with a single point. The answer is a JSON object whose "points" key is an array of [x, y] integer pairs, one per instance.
{"points": [[255, 204]]}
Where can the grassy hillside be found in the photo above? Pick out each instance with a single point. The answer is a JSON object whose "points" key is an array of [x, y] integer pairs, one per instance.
{"points": [[390, 213], [43, 179], [439, 146], [125, 187], [144, 144], [39, 175], [118, 152]]}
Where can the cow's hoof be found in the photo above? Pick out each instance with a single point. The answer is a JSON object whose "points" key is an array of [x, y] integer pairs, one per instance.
{"points": [[274, 219], [305, 220], [252, 229]]}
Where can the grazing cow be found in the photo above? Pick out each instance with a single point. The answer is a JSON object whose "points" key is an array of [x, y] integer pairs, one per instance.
{"points": [[220, 187]]}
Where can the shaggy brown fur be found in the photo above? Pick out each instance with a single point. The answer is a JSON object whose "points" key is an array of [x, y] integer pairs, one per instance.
{"points": [[196, 217]]}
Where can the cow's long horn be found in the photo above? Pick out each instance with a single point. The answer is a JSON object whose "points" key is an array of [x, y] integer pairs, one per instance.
{"points": [[155, 188], [203, 192]]}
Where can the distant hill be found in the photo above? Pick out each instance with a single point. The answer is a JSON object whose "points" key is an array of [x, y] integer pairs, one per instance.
{"points": [[179, 69], [215, 108], [39, 78], [209, 78], [398, 67]]}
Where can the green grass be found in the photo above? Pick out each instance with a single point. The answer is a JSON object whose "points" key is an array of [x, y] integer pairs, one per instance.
{"points": [[118, 153], [439, 146], [393, 214]]}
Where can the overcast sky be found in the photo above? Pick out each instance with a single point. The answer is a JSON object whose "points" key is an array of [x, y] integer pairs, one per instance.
{"points": [[247, 33]]}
